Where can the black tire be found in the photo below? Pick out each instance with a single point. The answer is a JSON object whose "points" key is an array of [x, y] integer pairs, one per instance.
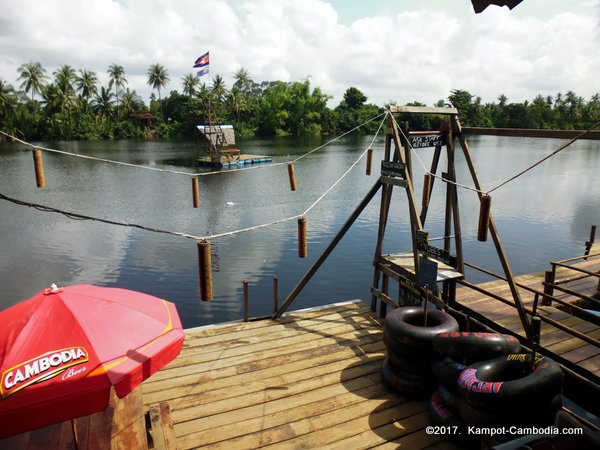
{"points": [[407, 351], [475, 346], [441, 414], [507, 383], [447, 371], [451, 400], [539, 415], [405, 325], [409, 367], [408, 387]]}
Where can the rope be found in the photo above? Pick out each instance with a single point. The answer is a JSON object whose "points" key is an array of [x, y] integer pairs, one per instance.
{"points": [[189, 174], [77, 216], [523, 172]]}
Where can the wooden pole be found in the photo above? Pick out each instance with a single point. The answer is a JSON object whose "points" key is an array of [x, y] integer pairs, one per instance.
{"points": [[338, 237], [427, 181], [302, 244], [245, 301], [369, 160], [275, 293], [434, 165], [40, 179], [205, 270], [195, 192], [484, 218], [492, 228], [292, 175]]}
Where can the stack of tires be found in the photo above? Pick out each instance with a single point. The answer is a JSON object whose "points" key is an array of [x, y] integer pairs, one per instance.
{"points": [[409, 341], [472, 379], [500, 386]]}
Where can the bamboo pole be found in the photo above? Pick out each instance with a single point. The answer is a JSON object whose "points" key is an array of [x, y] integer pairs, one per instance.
{"points": [[205, 270], [195, 192], [302, 244], [275, 293], [245, 283], [338, 237], [40, 179], [369, 160], [484, 218], [292, 175]]}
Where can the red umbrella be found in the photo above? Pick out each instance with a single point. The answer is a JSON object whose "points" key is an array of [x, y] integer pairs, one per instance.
{"points": [[63, 349]]}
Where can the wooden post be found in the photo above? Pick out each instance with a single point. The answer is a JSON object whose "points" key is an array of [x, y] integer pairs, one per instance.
{"points": [[245, 301], [589, 244], [205, 270], [484, 217], [548, 290], [40, 179], [195, 192], [369, 160], [536, 327], [302, 244], [292, 175], [275, 293], [426, 192]]}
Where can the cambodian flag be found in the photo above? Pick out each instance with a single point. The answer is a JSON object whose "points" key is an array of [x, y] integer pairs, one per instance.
{"points": [[202, 72], [202, 61]]}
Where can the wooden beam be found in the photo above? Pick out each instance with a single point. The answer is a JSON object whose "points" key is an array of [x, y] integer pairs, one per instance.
{"points": [[422, 110]]}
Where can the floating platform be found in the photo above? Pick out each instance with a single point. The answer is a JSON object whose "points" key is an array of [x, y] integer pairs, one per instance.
{"points": [[228, 161]]}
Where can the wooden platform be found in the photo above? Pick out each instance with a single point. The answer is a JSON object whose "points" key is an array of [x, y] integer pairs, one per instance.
{"points": [[309, 380], [232, 160], [584, 356]]}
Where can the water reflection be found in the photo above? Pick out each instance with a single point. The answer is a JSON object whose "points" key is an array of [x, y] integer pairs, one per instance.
{"points": [[543, 216]]}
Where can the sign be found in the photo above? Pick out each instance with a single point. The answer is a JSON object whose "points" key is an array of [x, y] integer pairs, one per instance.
{"points": [[436, 253], [409, 293], [393, 169], [427, 140], [428, 270]]}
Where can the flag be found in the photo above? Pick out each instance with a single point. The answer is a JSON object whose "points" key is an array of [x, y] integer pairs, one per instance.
{"points": [[202, 61], [202, 72]]}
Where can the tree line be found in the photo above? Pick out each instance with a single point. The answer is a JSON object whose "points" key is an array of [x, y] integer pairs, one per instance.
{"points": [[71, 104]]}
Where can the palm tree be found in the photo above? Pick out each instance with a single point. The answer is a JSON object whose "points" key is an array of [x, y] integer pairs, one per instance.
{"points": [[242, 79], [64, 77], [190, 83], [103, 103], [158, 77], [8, 100], [218, 88], [117, 78], [33, 76], [131, 102], [86, 84]]}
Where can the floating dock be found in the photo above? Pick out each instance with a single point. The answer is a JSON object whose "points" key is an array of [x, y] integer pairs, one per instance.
{"points": [[233, 161]]}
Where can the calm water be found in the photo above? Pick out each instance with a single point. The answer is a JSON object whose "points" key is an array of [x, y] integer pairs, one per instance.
{"points": [[542, 216]]}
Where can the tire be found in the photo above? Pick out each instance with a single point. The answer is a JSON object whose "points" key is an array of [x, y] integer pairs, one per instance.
{"points": [[408, 387], [405, 325], [409, 367], [441, 414], [407, 351], [475, 346], [507, 383], [535, 415], [447, 371]]}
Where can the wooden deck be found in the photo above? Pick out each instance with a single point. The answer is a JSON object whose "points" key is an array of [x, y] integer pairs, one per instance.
{"points": [[581, 354], [309, 380]]}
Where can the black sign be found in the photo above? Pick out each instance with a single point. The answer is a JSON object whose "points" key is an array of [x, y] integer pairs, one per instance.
{"points": [[393, 169], [436, 253], [409, 293], [427, 140]]}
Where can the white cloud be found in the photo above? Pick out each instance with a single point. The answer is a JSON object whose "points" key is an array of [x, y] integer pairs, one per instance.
{"points": [[419, 54]]}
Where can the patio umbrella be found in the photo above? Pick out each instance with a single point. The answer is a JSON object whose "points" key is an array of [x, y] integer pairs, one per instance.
{"points": [[62, 350]]}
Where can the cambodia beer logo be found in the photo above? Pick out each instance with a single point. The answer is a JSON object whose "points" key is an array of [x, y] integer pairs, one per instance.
{"points": [[41, 368]]}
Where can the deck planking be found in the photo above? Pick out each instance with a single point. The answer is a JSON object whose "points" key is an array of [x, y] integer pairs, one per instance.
{"points": [[582, 354], [308, 380]]}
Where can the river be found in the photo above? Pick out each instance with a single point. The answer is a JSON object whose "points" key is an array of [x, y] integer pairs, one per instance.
{"points": [[542, 216]]}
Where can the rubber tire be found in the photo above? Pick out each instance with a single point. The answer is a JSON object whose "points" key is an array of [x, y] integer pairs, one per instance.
{"points": [[475, 346], [447, 371], [536, 415], [404, 325], [507, 383], [407, 387], [409, 367], [407, 351]]}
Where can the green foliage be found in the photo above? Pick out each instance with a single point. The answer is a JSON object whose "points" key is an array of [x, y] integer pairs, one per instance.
{"points": [[72, 105]]}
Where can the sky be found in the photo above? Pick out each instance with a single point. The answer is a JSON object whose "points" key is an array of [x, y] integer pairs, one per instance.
{"points": [[392, 50]]}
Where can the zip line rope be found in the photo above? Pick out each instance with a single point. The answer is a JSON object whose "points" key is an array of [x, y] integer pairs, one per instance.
{"points": [[514, 177], [77, 216], [189, 174]]}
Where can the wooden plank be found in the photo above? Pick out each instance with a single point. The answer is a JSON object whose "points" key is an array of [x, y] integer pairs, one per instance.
{"points": [[423, 110]]}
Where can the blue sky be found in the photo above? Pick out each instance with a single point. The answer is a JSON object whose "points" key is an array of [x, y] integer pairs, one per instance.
{"points": [[392, 50]]}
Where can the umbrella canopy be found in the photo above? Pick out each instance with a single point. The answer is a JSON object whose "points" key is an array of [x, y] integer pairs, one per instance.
{"points": [[62, 350]]}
